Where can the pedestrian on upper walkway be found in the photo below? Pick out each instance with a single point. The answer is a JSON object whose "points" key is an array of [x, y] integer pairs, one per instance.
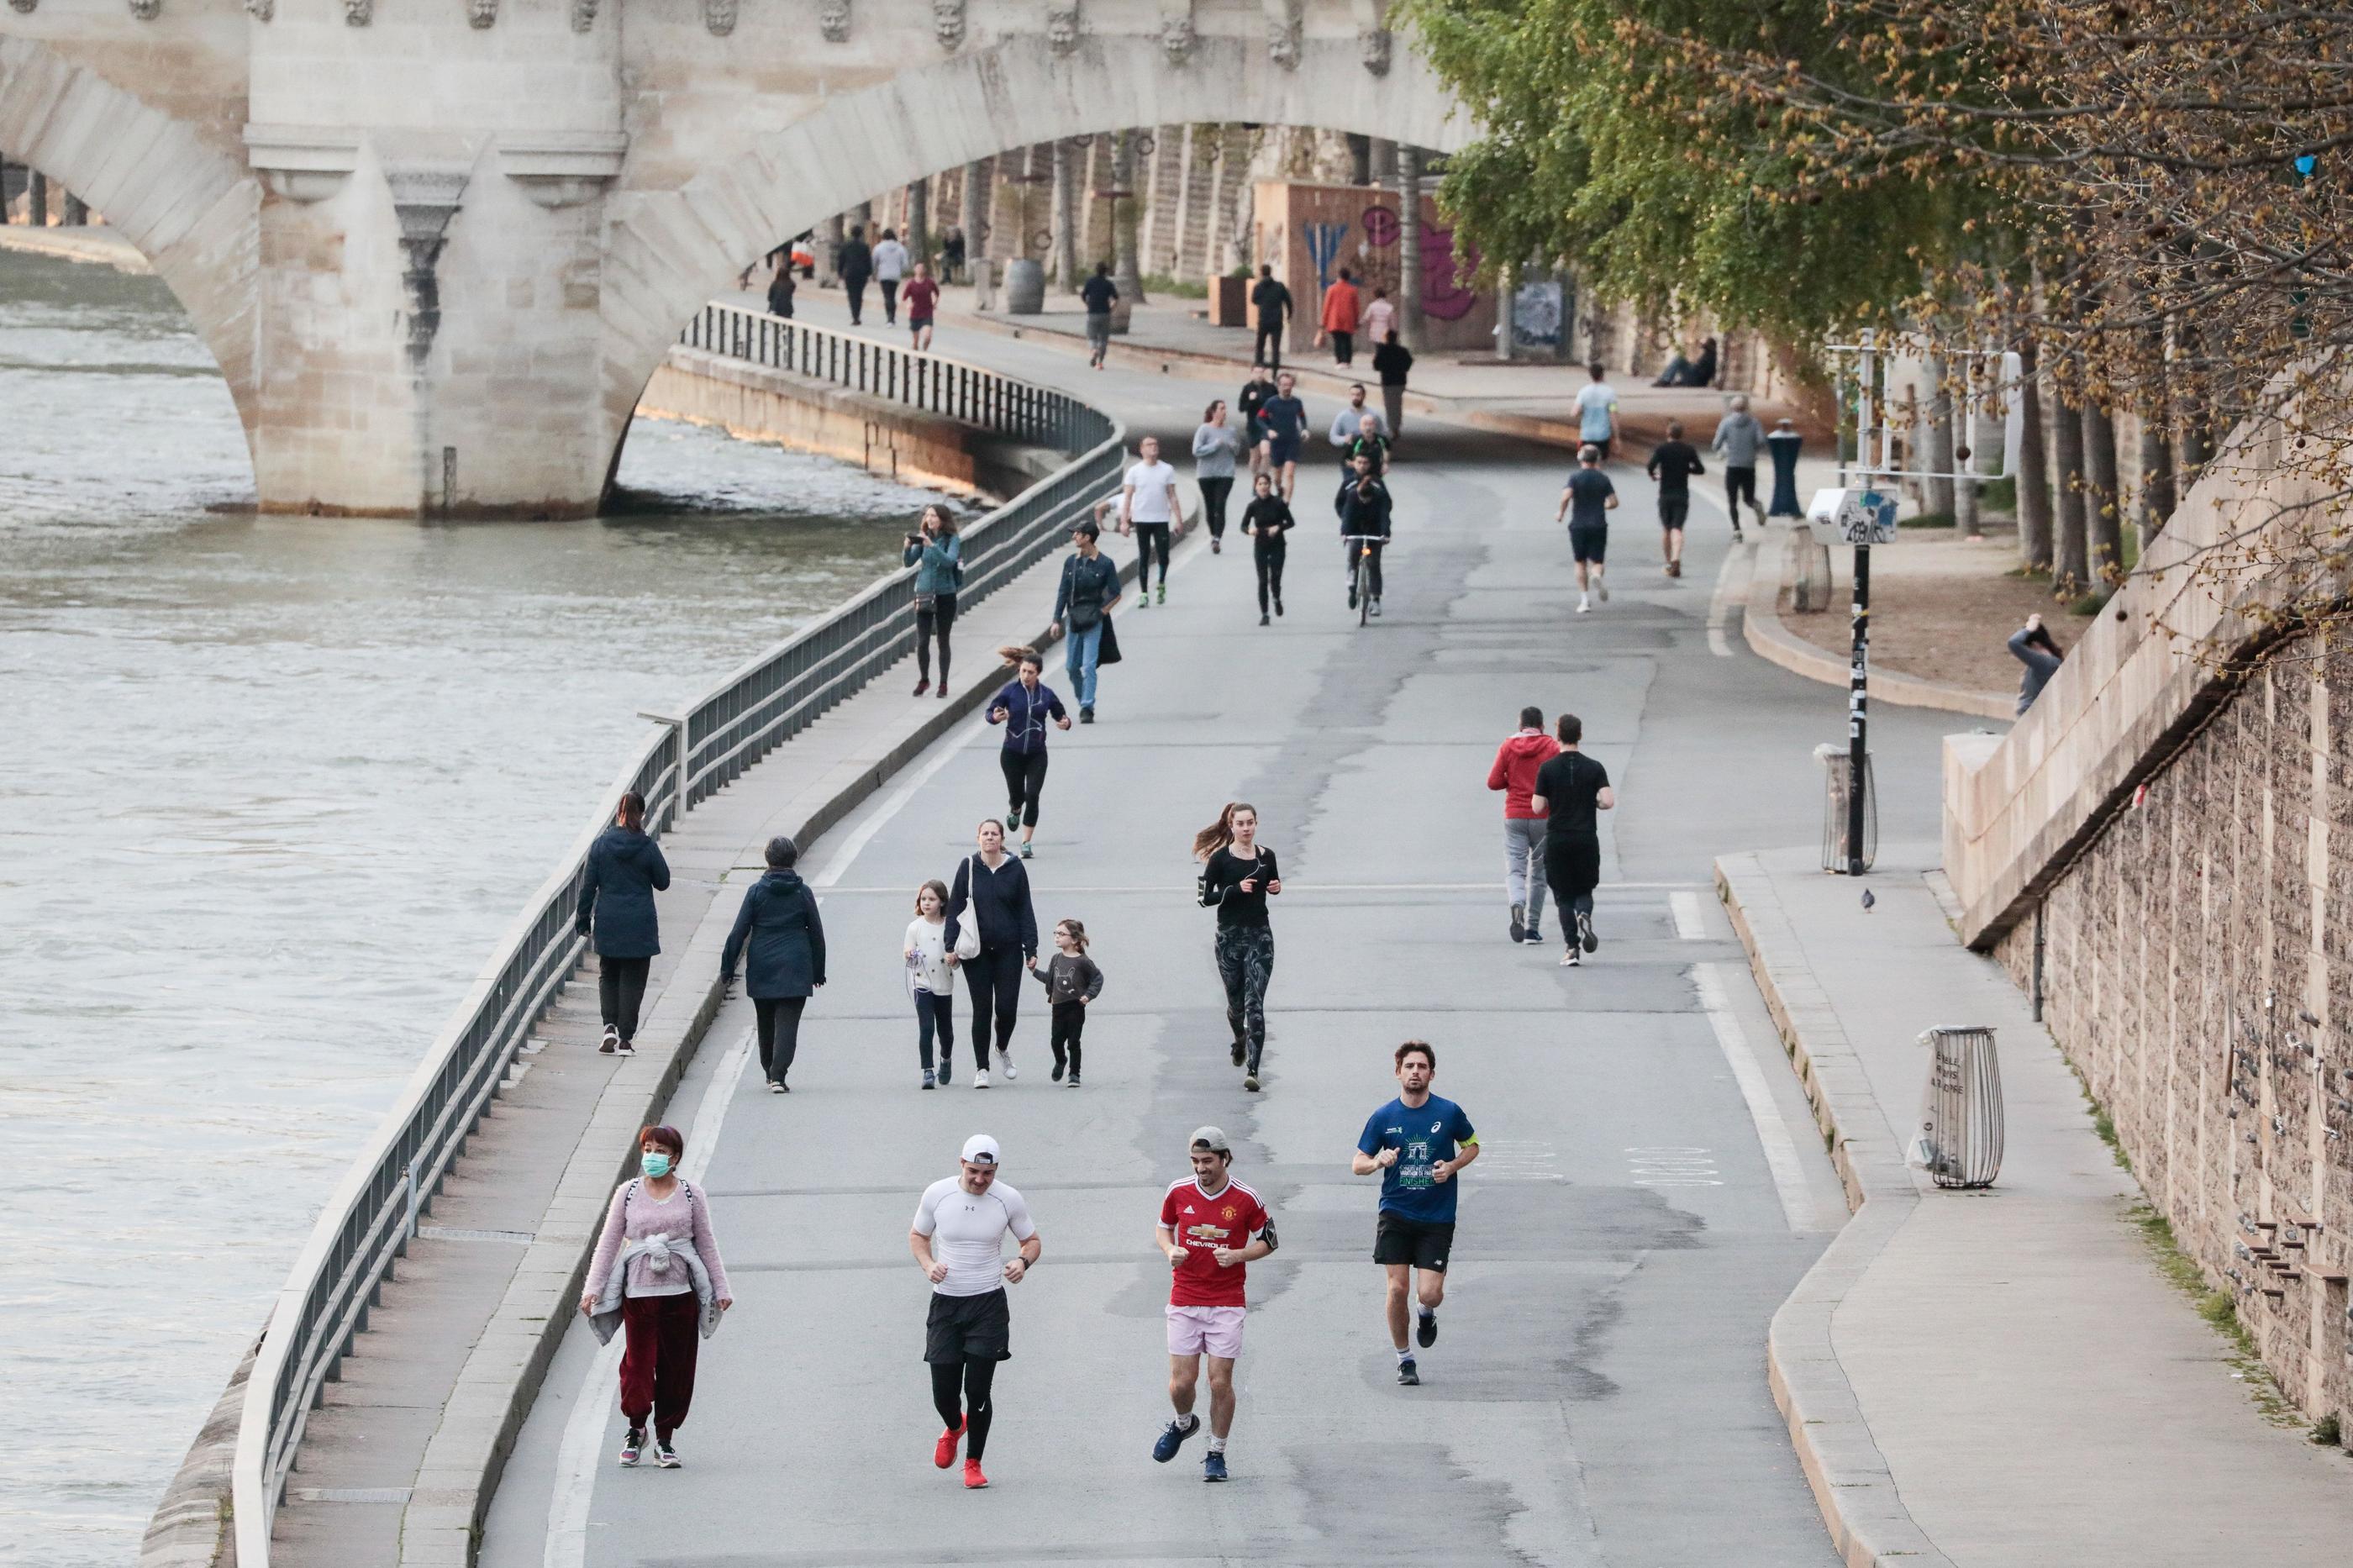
{"points": [[1349, 423], [1738, 435], [1674, 463], [1391, 362], [1099, 294], [1025, 706], [890, 270], [1285, 418], [780, 288], [1784, 442], [1072, 982], [1587, 502], [657, 1276], [1237, 876], [1083, 601], [2034, 645], [923, 298], [991, 896], [855, 262], [958, 1241], [1341, 306], [1256, 392], [931, 980], [1570, 790], [1150, 508], [1274, 309], [1216, 445], [1596, 413], [625, 870], [780, 939], [1364, 509], [1266, 521], [1380, 316], [1515, 774], [936, 551]]}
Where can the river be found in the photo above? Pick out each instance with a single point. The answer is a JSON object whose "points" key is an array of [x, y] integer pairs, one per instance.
{"points": [[274, 787]]}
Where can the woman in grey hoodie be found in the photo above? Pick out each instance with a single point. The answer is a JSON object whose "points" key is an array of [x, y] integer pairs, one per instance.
{"points": [[1216, 445]]}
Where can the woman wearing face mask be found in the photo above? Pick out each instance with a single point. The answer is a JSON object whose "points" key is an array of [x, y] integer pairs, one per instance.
{"points": [[657, 1276]]}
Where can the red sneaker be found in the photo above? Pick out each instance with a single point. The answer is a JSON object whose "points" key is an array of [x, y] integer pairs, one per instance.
{"points": [[943, 1451], [972, 1476]]}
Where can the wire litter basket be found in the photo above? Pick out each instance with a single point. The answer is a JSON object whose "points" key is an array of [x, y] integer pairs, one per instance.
{"points": [[1836, 768], [1959, 1138]]}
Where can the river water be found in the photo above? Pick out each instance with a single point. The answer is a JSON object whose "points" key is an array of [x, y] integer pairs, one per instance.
{"points": [[272, 789]]}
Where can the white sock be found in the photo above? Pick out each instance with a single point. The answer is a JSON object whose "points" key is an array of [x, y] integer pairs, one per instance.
{"points": [[1583, 599], [1188, 1422], [1217, 1445], [1405, 1355]]}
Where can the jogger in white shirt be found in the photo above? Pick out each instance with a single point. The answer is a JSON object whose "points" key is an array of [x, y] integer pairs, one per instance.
{"points": [[958, 1241]]}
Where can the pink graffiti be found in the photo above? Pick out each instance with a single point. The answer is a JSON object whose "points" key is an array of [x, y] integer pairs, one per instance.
{"points": [[1381, 226], [1441, 296]]}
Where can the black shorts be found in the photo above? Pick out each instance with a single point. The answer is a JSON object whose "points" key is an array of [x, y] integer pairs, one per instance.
{"points": [[968, 1328], [1590, 543], [1673, 509], [1572, 863], [1397, 1239]]}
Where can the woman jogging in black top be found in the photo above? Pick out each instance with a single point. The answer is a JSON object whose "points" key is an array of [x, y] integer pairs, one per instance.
{"points": [[1237, 875], [992, 895], [1264, 522], [1023, 706]]}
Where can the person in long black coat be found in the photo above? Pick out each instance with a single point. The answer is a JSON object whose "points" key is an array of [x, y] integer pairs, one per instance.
{"points": [[625, 869], [778, 935]]}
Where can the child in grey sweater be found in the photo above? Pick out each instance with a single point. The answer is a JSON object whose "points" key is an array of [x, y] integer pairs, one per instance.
{"points": [[1072, 981]]}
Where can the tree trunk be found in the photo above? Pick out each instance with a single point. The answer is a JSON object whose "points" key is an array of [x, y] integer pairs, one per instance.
{"points": [[2156, 492], [919, 220], [2104, 514], [1125, 273], [36, 199], [2071, 566], [2033, 468], [1409, 304], [829, 252], [1062, 261], [1936, 494]]}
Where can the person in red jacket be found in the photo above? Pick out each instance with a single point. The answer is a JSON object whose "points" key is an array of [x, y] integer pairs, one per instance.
{"points": [[1342, 305], [1515, 773]]}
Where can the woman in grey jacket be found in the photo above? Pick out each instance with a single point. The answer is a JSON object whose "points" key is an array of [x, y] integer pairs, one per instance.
{"points": [[625, 870], [780, 935], [1216, 445], [936, 551]]}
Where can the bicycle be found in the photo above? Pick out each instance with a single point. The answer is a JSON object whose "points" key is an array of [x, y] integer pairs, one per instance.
{"points": [[1362, 590]]}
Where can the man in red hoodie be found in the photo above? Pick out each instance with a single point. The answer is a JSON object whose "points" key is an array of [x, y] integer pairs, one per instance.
{"points": [[1515, 773]]}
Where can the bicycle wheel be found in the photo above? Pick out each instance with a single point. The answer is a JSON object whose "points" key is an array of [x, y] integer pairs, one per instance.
{"points": [[1363, 586]]}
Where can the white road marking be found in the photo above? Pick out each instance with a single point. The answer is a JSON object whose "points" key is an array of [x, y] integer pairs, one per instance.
{"points": [[1671, 1165], [1514, 1160], [1691, 919], [1772, 1131], [1738, 563]]}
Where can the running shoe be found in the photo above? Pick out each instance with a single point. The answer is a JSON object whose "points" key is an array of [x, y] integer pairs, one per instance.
{"points": [[1026, 853], [1263, 619], [664, 1455], [1087, 714], [927, 1080], [1073, 1083], [944, 1072], [1425, 1334], [1584, 608], [1160, 594], [1584, 936], [943, 690], [1572, 959], [1408, 1374], [1376, 606], [612, 1041], [1058, 1072], [1352, 592], [922, 685], [1217, 545], [1005, 1062], [980, 1078], [1172, 1437], [943, 1451], [1278, 605], [633, 1443], [1241, 1052], [1213, 1466], [1250, 1080], [626, 1049], [776, 1086], [1535, 936], [972, 1476], [1603, 589], [1519, 923]]}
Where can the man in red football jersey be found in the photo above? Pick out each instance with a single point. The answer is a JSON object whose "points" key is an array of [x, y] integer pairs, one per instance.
{"points": [[1211, 1228]]}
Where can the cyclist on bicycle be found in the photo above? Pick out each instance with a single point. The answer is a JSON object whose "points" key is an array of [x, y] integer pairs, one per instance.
{"points": [[1364, 507]]}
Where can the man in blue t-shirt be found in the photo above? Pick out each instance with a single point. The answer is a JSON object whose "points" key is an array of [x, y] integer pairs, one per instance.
{"points": [[1417, 1141]]}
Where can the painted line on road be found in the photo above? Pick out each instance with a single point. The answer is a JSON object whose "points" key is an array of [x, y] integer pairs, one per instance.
{"points": [[1691, 919], [1719, 603], [1773, 1132]]}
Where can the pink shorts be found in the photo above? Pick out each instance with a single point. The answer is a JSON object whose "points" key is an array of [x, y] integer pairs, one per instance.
{"points": [[1217, 1330]]}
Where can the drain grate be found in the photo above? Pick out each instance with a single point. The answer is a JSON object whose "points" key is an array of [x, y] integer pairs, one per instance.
{"points": [[450, 1233]]}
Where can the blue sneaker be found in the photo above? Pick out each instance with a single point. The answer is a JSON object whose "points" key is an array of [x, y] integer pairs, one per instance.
{"points": [[1213, 1466], [1409, 1373], [1172, 1437]]}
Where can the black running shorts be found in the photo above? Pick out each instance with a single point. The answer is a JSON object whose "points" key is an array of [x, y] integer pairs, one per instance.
{"points": [[1673, 509], [968, 1328], [1590, 543], [1397, 1239]]}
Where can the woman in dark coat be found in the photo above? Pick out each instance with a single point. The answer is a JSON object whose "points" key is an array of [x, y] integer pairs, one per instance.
{"points": [[779, 924], [625, 869]]}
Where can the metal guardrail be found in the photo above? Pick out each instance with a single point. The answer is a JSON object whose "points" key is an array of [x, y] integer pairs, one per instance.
{"points": [[370, 1218]]}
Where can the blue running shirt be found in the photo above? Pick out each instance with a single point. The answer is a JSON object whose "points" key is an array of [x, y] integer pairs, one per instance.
{"points": [[1421, 1136]]}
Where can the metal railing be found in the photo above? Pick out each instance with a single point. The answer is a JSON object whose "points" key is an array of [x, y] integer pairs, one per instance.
{"points": [[370, 1218]]}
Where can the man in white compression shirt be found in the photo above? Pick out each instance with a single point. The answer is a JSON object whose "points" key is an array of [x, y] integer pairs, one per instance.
{"points": [[958, 1241]]}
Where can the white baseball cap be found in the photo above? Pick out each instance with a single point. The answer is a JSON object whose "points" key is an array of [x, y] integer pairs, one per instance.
{"points": [[980, 1148]]}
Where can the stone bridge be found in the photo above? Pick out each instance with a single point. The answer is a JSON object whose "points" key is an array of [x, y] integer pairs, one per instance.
{"points": [[438, 247]]}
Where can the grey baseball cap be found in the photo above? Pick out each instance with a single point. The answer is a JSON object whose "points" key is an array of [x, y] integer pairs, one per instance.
{"points": [[1212, 1139]]}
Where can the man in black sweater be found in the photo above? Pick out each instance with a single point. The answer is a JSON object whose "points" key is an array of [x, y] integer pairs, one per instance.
{"points": [[855, 262], [1274, 307]]}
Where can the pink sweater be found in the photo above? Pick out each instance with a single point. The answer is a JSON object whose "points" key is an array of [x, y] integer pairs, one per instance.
{"points": [[643, 1217]]}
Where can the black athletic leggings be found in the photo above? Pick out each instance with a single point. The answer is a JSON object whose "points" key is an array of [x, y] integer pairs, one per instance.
{"points": [[1213, 503], [779, 1019], [1070, 1025], [1268, 554], [1151, 538], [994, 981], [935, 1013], [970, 1381], [621, 991], [940, 617], [1025, 780], [1572, 869]]}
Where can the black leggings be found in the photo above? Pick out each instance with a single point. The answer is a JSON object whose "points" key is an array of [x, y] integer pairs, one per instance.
{"points": [[1151, 538], [1070, 1023], [780, 1033], [942, 615], [890, 298], [970, 1380], [1213, 503], [1025, 780], [994, 981], [621, 991], [1572, 870], [1268, 554], [935, 1013]]}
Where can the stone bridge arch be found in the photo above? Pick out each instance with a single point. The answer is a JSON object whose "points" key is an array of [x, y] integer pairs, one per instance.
{"points": [[188, 203], [666, 252]]}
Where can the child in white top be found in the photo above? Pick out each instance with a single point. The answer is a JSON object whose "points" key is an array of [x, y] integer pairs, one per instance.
{"points": [[929, 977]]}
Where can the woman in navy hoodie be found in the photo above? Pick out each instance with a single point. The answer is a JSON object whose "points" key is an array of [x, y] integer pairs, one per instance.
{"points": [[992, 895], [779, 925], [625, 870], [1023, 707]]}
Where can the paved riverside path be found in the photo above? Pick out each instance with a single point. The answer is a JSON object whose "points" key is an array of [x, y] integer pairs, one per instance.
{"points": [[1599, 1392]]}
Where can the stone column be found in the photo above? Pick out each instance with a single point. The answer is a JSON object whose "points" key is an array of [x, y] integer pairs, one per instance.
{"points": [[1360, 160], [919, 220], [972, 210], [1124, 272], [36, 199], [1381, 159], [1063, 260], [1409, 317], [828, 251], [77, 210]]}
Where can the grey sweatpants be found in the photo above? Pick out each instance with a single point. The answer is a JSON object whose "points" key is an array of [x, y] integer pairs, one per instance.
{"points": [[1523, 874]]}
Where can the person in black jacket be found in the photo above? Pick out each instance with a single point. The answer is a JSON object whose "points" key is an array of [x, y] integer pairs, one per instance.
{"points": [[855, 262], [992, 891], [625, 870], [1255, 393], [1274, 308], [782, 941], [1674, 464], [1362, 503], [1264, 523], [1237, 875]]}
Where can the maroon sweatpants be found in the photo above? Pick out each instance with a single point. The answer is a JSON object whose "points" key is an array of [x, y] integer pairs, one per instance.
{"points": [[658, 1358]]}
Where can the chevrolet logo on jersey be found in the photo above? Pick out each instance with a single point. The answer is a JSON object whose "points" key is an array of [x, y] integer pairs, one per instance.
{"points": [[1211, 1233]]}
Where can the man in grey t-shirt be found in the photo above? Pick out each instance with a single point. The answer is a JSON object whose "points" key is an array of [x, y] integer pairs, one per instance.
{"points": [[1738, 437]]}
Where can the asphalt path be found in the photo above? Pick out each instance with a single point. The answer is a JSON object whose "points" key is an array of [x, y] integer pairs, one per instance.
{"points": [[1652, 1186]]}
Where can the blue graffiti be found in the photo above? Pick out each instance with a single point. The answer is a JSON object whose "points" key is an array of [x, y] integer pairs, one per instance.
{"points": [[1322, 249]]}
